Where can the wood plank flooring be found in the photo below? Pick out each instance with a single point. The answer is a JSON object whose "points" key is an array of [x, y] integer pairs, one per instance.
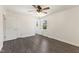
{"points": [[38, 44]]}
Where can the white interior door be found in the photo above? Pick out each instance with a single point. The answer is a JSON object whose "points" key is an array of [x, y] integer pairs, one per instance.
{"points": [[38, 26]]}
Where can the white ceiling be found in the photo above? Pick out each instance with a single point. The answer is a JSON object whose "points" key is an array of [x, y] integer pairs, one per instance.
{"points": [[28, 8]]}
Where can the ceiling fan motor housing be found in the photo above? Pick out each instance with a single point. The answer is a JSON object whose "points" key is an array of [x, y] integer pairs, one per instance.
{"points": [[39, 8]]}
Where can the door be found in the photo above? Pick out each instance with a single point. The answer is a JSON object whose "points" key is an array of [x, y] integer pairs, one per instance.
{"points": [[38, 26]]}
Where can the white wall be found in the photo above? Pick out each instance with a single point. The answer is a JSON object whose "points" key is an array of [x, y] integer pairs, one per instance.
{"points": [[1, 28], [64, 26], [19, 25]]}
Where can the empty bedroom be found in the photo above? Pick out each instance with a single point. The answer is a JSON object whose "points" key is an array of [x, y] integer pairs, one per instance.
{"points": [[39, 28]]}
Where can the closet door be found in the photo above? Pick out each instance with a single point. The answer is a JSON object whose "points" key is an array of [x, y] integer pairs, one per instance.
{"points": [[11, 28]]}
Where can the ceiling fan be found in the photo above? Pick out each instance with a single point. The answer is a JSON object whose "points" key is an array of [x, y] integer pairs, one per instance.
{"points": [[39, 8]]}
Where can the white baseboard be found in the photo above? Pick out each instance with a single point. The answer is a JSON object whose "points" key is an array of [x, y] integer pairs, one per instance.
{"points": [[71, 43], [19, 37]]}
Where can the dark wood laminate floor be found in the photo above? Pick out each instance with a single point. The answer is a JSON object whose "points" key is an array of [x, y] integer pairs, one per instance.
{"points": [[37, 44]]}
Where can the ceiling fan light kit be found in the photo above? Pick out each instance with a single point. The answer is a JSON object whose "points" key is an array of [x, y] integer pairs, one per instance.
{"points": [[40, 14]]}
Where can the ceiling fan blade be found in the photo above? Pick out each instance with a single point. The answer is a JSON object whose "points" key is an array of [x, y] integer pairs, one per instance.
{"points": [[44, 12], [31, 10], [34, 6], [46, 8]]}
